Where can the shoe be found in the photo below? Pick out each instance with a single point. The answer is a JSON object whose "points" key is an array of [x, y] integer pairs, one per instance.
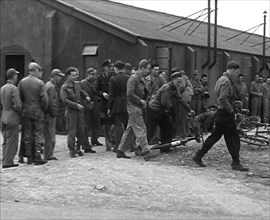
{"points": [[239, 167], [121, 154], [108, 149], [40, 161], [29, 160], [21, 160], [72, 155], [198, 161], [115, 150], [96, 143], [10, 165], [90, 150], [52, 158], [79, 153], [148, 155]]}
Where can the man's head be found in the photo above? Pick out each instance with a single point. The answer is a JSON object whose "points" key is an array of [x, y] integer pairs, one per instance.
{"points": [[91, 74], [268, 80], [196, 74], [204, 78], [144, 67], [256, 78], [119, 66], [35, 69], [12, 75], [57, 75], [128, 69], [107, 66], [175, 69], [177, 80], [154, 68], [240, 77], [260, 79], [232, 67], [72, 74]]}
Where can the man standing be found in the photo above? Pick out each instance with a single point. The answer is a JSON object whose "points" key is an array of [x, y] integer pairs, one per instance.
{"points": [[103, 90], [35, 103], [71, 93], [11, 104], [91, 109], [154, 81], [51, 113], [241, 91], [266, 100], [136, 93], [225, 120], [117, 105], [205, 93], [196, 101], [255, 94]]}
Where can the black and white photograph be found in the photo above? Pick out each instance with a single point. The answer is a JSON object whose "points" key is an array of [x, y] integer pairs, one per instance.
{"points": [[134, 109]]}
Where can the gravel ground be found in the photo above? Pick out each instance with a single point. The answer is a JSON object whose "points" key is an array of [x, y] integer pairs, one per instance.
{"points": [[171, 186]]}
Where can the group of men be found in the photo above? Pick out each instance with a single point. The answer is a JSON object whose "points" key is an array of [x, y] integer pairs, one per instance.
{"points": [[138, 107], [257, 98]]}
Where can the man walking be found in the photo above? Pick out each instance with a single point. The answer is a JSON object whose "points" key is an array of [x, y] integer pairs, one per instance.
{"points": [[11, 104], [136, 90], [51, 113], [35, 103], [117, 105], [225, 120]]}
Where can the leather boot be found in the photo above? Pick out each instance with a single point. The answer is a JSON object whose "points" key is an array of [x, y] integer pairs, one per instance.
{"points": [[38, 159]]}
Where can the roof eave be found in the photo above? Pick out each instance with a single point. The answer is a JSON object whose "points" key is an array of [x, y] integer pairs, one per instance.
{"points": [[93, 20]]}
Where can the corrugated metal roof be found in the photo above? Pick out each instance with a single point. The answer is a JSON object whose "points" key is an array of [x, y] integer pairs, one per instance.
{"points": [[147, 24]]}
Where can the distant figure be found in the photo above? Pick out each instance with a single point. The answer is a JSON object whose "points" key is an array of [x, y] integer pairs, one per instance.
{"points": [[196, 101], [266, 100], [241, 91], [205, 93], [11, 105], [255, 96]]}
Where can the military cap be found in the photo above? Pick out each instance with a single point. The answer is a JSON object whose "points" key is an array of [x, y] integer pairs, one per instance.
{"points": [[143, 63], [107, 62], [11, 72], [232, 65], [57, 72]]}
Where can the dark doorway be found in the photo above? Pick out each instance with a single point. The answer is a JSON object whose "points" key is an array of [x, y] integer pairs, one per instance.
{"points": [[17, 62]]}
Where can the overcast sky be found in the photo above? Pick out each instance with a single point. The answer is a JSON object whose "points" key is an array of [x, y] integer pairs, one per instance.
{"points": [[237, 14]]}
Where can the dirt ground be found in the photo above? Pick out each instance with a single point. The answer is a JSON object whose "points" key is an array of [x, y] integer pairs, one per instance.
{"points": [[171, 186]]}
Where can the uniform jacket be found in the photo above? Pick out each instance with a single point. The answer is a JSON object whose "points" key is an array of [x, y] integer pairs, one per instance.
{"points": [[33, 96], [103, 84], [163, 99], [241, 91], [52, 93], [197, 87], [225, 92], [136, 90], [266, 91], [153, 84], [255, 88], [71, 93], [118, 93], [10, 102]]}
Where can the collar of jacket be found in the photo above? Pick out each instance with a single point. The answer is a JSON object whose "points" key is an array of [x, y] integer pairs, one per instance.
{"points": [[229, 76]]}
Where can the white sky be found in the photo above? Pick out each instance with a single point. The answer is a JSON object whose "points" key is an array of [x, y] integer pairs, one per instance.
{"points": [[237, 14]]}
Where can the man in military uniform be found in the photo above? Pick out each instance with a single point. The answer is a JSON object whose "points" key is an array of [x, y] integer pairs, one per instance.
{"points": [[266, 100], [196, 101], [91, 109], [71, 93], [241, 91], [11, 104], [255, 95], [117, 105], [224, 120], [35, 103], [51, 113], [103, 91]]}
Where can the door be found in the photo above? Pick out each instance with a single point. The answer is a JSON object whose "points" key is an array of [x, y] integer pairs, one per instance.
{"points": [[17, 62]]}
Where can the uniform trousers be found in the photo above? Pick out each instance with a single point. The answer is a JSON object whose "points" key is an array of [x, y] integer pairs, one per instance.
{"points": [[120, 124], [10, 132], [49, 134], [224, 125], [135, 129]]}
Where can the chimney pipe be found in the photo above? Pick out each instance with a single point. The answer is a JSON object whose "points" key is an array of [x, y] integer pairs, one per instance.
{"points": [[208, 36], [215, 38]]}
